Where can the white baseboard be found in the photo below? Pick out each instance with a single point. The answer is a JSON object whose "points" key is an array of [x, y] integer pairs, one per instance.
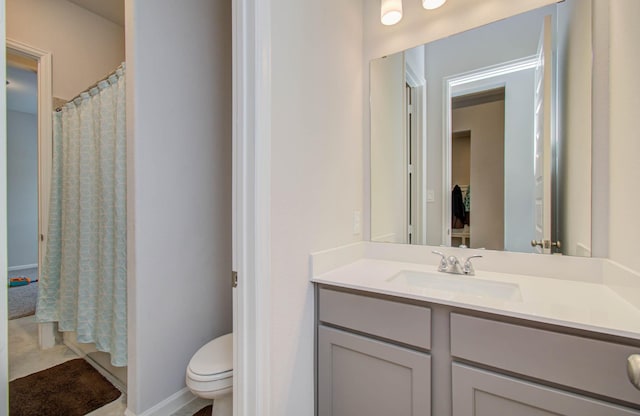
{"points": [[168, 406], [23, 267]]}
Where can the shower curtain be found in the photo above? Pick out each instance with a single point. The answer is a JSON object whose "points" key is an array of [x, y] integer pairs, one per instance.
{"points": [[83, 279]]}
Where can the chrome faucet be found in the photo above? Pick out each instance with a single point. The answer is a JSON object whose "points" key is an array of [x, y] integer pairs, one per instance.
{"points": [[452, 264]]}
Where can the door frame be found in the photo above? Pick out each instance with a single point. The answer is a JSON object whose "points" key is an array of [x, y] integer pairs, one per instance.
{"points": [[46, 331], [251, 61], [466, 83], [418, 84]]}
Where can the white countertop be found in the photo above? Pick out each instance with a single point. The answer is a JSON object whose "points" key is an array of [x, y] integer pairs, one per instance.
{"points": [[586, 305]]}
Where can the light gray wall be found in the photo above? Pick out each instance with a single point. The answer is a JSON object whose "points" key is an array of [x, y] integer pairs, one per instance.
{"points": [[519, 182], [414, 58], [179, 189], [22, 188]]}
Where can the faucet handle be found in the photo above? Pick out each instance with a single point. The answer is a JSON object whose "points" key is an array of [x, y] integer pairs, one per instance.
{"points": [[467, 268], [443, 260]]}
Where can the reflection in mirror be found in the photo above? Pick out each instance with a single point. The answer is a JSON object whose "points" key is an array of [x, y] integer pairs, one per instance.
{"points": [[483, 139]]}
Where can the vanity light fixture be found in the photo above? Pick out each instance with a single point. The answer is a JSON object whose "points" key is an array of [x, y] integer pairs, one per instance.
{"points": [[432, 4], [390, 12]]}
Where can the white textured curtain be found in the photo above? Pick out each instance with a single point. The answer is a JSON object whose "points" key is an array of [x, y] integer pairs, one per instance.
{"points": [[83, 279]]}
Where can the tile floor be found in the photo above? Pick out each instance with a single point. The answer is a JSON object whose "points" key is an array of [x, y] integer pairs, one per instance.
{"points": [[26, 358]]}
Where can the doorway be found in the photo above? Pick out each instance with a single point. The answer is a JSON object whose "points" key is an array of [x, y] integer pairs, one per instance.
{"points": [[477, 163], [512, 84], [22, 211], [22, 184], [39, 62]]}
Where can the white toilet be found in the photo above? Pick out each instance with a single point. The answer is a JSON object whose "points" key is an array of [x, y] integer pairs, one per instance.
{"points": [[210, 374]]}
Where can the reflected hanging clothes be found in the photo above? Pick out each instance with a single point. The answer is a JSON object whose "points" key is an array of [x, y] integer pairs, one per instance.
{"points": [[467, 206], [457, 208]]}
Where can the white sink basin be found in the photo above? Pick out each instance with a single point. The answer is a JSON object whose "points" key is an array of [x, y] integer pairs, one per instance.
{"points": [[467, 285]]}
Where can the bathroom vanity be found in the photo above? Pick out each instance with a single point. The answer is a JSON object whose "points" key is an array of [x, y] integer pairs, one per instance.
{"points": [[400, 338]]}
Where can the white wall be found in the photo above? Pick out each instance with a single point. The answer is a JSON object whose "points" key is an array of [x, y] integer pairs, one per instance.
{"points": [[179, 189], [316, 178], [624, 143], [575, 76], [85, 46], [600, 131], [388, 199], [486, 123], [22, 188]]}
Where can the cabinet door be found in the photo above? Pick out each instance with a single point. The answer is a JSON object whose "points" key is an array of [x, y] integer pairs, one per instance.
{"points": [[483, 393], [359, 376]]}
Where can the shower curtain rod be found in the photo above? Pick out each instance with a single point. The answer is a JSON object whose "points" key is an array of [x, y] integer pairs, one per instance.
{"points": [[95, 84]]}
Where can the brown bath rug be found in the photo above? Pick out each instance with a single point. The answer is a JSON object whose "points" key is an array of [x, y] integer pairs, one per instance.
{"points": [[73, 388], [205, 411]]}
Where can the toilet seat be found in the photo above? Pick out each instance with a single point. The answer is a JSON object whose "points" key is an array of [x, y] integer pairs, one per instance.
{"points": [[210, 371]]}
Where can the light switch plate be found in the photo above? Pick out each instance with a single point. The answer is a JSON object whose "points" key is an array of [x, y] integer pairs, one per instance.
{"points": [[431, 195]]}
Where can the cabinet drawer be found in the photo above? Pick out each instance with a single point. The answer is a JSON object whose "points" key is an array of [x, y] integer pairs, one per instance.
{"points": [[483, 393], [586, 364], [400, 322]]}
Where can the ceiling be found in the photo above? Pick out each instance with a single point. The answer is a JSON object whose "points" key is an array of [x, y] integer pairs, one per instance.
{"points": [[112, 10]]}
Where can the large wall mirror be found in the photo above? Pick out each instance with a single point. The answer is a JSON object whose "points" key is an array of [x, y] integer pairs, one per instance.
{"points": [[483, 139]]}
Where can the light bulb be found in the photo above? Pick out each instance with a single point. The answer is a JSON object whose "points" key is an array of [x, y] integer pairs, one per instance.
{"points": [[432, 4], [390, 12]]}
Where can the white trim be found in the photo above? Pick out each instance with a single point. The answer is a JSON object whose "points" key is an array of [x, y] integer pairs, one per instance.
{"points": [[168, 406], [46, 333], [419, 84], [412, 77], [251, 237], [22, 267], [461, 84]]}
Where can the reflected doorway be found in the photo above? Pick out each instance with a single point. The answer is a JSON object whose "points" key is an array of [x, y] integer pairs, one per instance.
{"points": [[477, 173]]}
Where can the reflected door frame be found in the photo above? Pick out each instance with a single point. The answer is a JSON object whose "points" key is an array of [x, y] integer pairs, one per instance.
{"points": [[46, 331], [418, 86], [461, 84]]}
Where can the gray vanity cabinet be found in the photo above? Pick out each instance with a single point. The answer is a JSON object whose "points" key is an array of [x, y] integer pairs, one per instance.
{"points": [[377, 355], [372, 356]]}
